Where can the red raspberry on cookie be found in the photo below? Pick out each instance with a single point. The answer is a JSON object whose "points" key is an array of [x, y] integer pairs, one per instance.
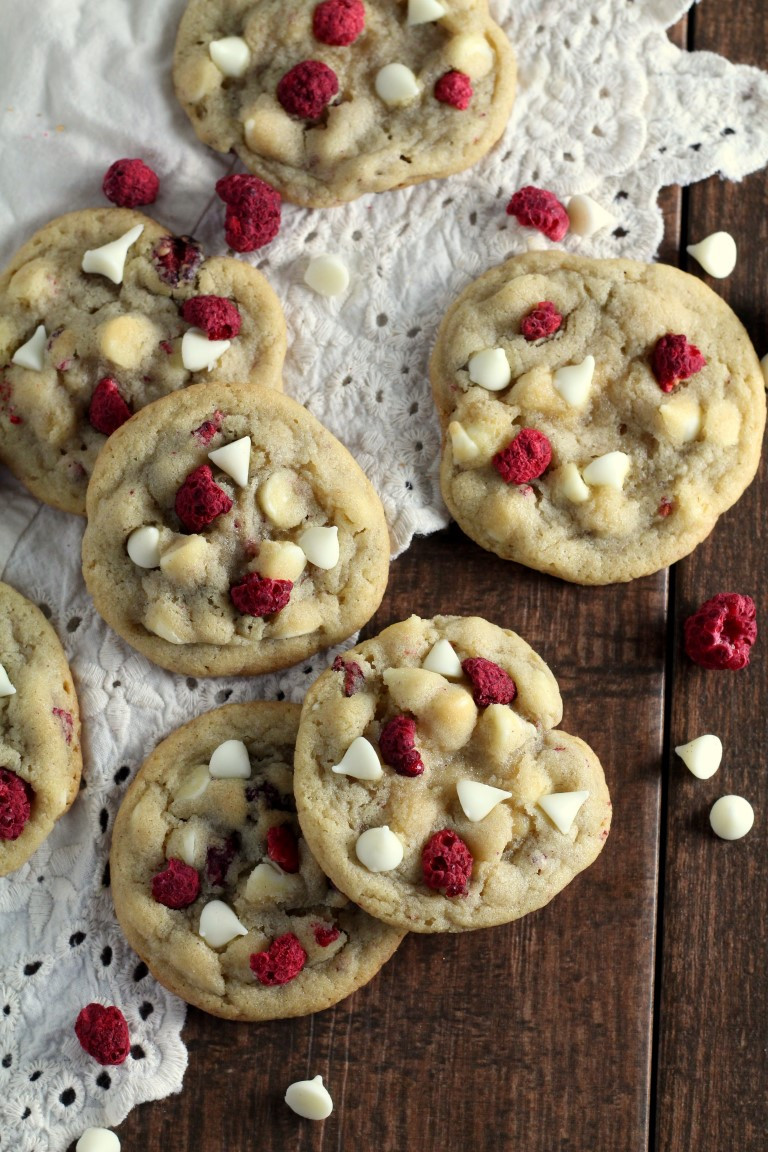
{"points": [[108, 409], [282, 961], [542, 321], [397, 742], [446, 863], [338, 22], [218, 317], [454, 88], [177, 886], [525, 458], [256, 595], [307, 89], [15, 804], [490, 683], [674, 359], [200, 500]]}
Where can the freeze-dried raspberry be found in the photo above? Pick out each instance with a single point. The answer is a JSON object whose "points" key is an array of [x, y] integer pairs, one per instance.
{"points": [[200, 500], [256, 595], [208, 429], [103, 1033], [354, 677], [674, 359], [721, 632], [130, 183], [307, 88], [524, 458], [282, 961], [325, 934], [178, 886], [108, 410], [15, 804], [664, 508], [219, 858], [253, 211], [283, 848], [454, 88], [537, 208], [446, 863], [397, 746], [177, 259], [217, 316], [338, 22], [490, 684], [542, 321]]}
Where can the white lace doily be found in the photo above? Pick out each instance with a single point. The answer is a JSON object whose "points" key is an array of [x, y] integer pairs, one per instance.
{"points": [[606, 105]]}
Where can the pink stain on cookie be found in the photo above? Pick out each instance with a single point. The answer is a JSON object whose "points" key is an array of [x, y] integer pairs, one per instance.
{"points": [[354, 678], [66, 721]]}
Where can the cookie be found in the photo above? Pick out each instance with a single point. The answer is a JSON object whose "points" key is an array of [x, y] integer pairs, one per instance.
{"points": [[432, 784], [598, 415], [229, 533], [329, 101], [81, 350], [215, 887], [40, 758]]}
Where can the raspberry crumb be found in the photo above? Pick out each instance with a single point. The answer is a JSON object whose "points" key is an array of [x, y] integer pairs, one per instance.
{"points": [[542, 321], [218, 860], [177, 259], [200, 500], [103, 1033], [218, 317], [537, 208], [721, 632], [178, 886], [664, 508], [307, 88], [282, 961], [283, 848], [130, 183], [325, 934], [524, 458], [674, 359], [397, 746], [108, 409], [15, 804], [490, 684], [338, 22], [253, 211], [208, 429], [446, 863], [256, 595], [66, 721], [353, 675], [454, 88]]}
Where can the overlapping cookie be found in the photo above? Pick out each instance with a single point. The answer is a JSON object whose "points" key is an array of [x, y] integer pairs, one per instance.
{"points": [[598, 415], [229, 533], [40, 758], [432, 785], [330, 100], [214, 885], [101, 312]]}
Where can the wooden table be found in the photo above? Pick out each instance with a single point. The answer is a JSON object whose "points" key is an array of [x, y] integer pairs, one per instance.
{"points": [[632, 1012]]}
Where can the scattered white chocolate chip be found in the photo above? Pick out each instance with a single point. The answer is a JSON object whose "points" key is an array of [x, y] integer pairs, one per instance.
{"points": [[716, 254], [98, 1140], [681, 417], [359, 760], [442, 659], [231, 55], [188, 844], [309, 1098], [536, 241], [219, 925], [562, 808], [327, 275], [462, 445], [571, 484], [6, 688], [32, 354], [195, 784], [280, 501], [470, 53], [396, 85], [477, 800], [424, 11], [490, 369], [379, 849], [731, 817], [321, 546], [702, 755], [586, 216], [143, 546], [268, 882], [280, 560], [609, 471], [109, 260], [198, 352], [574, 381], [230, 761], [234, 459]]}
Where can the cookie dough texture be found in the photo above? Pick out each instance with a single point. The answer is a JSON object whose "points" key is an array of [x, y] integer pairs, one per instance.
{"points": [[520, 858], [39, 725], [692, 451], [360, 144], [180, 615], [153, 823], [130, 332]]}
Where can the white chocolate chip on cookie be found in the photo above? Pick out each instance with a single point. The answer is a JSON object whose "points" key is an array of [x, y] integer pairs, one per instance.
{"points": [[280, 560], [574, 382], [609, 470], [443, 660], [234, 459], [219, 924], [396, 85], [477, 799], [681, 417], [424, 11], [198, 352], [360, 761], [32, 354], [231, 55], [6, 688], [143, 546], [562, 808], [128, 341], [109, 259], [280, 499], [379, 849], [230, 761], [321, 546], [470, 53], [462, 445], [490, 369]]}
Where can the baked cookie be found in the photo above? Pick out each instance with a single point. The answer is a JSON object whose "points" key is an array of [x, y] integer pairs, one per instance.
{"points": [[328, 101], [214, 886], [229, 533], [40, 758], [598, 415], [81, 350], [431, 785]]}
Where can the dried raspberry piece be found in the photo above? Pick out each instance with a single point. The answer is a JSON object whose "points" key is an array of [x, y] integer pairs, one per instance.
{"points": [[67, 723], [542, 321], [218, 860], [217, 316], [253, 211], [354, 677], [664, 508], [200, 500], [307, 88], [454, 88], [338, 22], [721, 632], [537, 208], [256, 595], [283, 848], [524, 458], [674, 359], [15, 804], [208, 429], [446, 863], [282, 961], [130, 183], [325, 934], [178, 886], [108, 410], [397, 746], [177, 259], [490, 684], [103, 1033]]}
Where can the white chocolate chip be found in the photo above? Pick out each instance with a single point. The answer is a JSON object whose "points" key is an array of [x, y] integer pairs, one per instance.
{"points": [[536, 241], [571, 484], [309, 1098], [219, 925], [379, 849], [231, 55], [98, 1140], [443, 660], [195, 784], [477, 800], [230, 761], [424, 11], [471, 54], [109, 260], [127, 341], [168, 621], [682, 418], [280, 560], [359, 760], [327, 275], [396, 85], [462, 445], [609, 471], [6, 688], [280, 501], [411, 689], [32, 354], [183, 561], [321, 546], [586, 216], [731, 817], [716, 254], [268, 882], [702, 755], [143, 546], [562, 808], [234, 459], [575, 381], [490, 369], [188, 844], [198, 352], [298, 620]]}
